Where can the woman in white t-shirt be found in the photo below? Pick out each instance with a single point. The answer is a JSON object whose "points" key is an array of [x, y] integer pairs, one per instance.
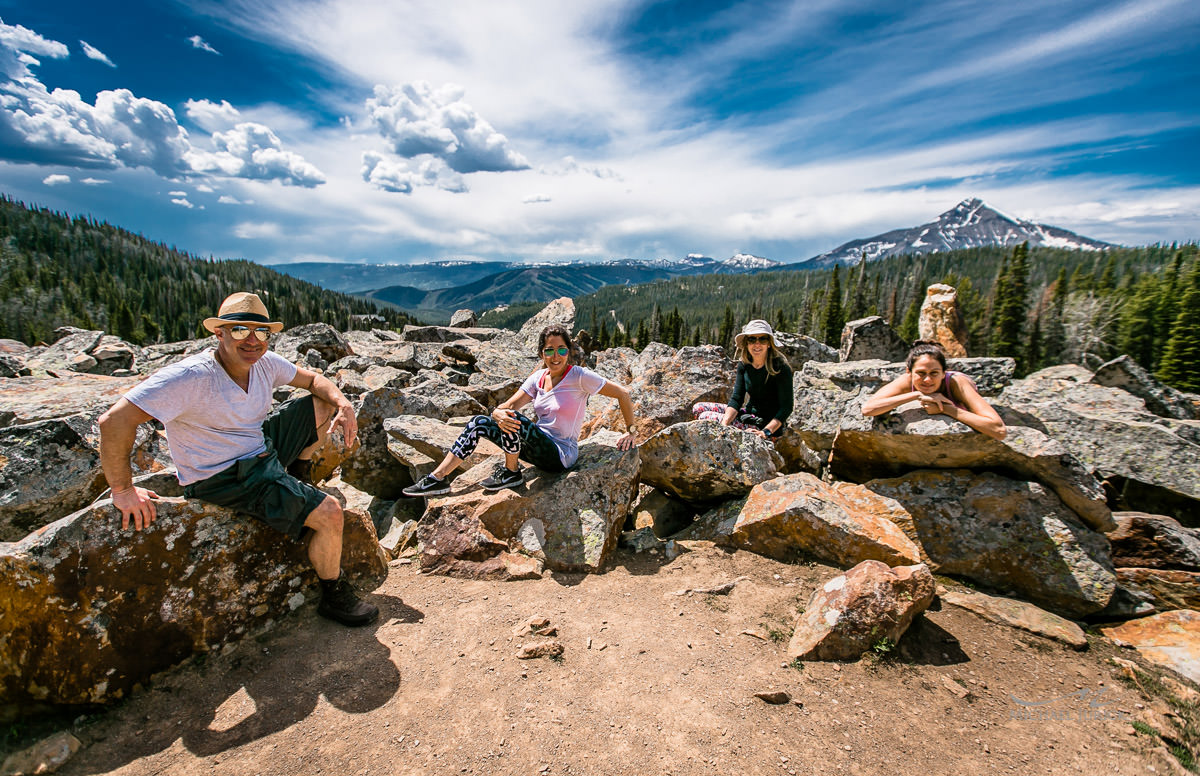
{"points": [[559, 392]]}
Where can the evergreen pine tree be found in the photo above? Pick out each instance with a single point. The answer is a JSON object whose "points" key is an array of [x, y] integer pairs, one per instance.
{"points": [[1136, 335], [833, 320], [643, 336], [1011, 308], [908, 330], [1180, 366], [725, 338]]}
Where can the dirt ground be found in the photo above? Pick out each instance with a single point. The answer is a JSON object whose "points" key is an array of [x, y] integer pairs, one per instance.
{"points": [[666, 687]]}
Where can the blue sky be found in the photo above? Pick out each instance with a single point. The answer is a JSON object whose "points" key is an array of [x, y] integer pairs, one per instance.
{"points": [[353, 130]]}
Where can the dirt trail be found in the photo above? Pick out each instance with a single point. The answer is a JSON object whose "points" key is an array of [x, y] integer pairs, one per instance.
{"points": [[666, 687]]}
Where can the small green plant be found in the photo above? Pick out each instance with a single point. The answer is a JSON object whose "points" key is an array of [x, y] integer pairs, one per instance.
{"points": [[797, 664], [1184, 756], [883, 647], [1144, 729], [557, 657], [777, 635]]}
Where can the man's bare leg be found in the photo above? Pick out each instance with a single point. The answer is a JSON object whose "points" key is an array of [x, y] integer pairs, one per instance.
{"points": [[325, 546]]}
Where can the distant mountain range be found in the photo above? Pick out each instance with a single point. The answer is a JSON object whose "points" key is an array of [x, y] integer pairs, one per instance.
{"points": [[970, 224], [436, 289]]}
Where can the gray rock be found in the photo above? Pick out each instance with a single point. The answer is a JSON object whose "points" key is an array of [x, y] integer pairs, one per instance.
{"points": [[1153, 541], [909, 438], [1128, 375], [430, 438], [13, 366], [871, 338], [559, 312], [1151, 463], [578, 514], [1005, 534], [321, 338], [463, 319], [440, 334], [59, 356], [491, 392], [702, 461], [47, 470], [358, 364], [799, 349], [640, 540], [1073, 372]]}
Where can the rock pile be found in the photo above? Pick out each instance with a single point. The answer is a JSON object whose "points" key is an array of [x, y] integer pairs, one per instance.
{"points": [[892, 499]]}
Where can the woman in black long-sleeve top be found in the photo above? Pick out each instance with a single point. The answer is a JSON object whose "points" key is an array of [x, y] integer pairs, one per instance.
{"points": [[762, 390]]}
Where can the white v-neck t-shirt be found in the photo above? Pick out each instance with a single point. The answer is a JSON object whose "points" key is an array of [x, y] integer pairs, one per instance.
{"points": [[210, 421], [560, 409]]}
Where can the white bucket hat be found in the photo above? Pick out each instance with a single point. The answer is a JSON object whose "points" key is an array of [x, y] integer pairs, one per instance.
{"points": [[758, 326]]}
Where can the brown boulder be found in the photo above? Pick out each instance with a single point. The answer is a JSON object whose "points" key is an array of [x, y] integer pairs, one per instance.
{"points": [[702, 461], [1167, 589], [868, 606], [456, 544], [90, 610], [799, 513], [1170, 639], [1153, 541], [1005, 534], [1018, 614], [941, 320]]}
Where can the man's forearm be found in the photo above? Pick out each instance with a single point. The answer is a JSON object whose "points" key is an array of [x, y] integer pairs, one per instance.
{"points": [[116, 443], [324, 389]]}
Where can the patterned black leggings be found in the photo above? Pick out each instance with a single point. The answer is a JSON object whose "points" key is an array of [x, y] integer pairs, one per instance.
{"points": [[531, 444]]}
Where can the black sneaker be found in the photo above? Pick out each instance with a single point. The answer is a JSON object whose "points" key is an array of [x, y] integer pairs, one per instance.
{"points": [[502, 478], [341, 604], [427, 486]]}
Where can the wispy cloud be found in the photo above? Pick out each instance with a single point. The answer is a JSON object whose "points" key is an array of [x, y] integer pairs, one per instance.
{"points": [[257, 231], [200, 43], [182, 202], [91, 52], [56, 179], [94, 181]]}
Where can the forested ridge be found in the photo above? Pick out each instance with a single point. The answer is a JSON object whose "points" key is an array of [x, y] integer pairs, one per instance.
{"points": [[56, 270], [1041, 306]]}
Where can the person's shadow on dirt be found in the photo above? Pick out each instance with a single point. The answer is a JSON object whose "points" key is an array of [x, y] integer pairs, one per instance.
{"points": [[275, 686]]}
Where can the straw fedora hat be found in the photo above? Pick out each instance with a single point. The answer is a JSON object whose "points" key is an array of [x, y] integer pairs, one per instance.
{"points": [[757, 326], [242, 307]]}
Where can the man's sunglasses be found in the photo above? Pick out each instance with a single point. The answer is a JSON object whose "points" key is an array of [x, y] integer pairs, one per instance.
{"points": [[240, 333], [551, 351], [760, 340]]}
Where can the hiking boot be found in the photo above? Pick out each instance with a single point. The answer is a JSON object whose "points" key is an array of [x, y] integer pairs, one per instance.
{"points": [[427, 486], [301, 469], [341, 604], [503, 477]]}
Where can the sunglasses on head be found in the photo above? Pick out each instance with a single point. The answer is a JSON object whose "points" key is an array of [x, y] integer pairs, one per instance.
{"points": [[240, 333], [551, 351], [758, 339]]}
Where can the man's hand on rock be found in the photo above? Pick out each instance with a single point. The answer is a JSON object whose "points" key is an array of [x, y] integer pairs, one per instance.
{"points": [[344, 418], [136, 503], [626, 442]]}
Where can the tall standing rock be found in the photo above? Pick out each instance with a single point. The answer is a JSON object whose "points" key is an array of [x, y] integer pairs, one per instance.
{"points": [[942, 321]]}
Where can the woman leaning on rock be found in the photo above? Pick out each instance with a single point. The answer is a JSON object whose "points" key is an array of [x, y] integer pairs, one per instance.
{"points": [[762, 398]]}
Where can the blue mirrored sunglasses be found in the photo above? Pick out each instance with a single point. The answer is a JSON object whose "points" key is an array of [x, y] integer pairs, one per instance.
{"points": [[551, 351]]}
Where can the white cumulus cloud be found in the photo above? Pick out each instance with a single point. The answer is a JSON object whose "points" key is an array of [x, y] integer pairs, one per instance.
{"points": [[56, 180], [418, 120], [182, 202], [177, 193], [211, 115], [202, 44], [18, 45], [91, 52], [249, 230], [252, 150], [401, 177], [94, 181], [225, 199], [536, 199], [204, 187]]}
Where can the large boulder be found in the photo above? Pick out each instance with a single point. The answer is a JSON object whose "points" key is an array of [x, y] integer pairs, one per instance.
{"points": [[941, 320], [51, 468], [799, 349], [1017, 614], [370, 466], [410, 436], [870, 606], [463, 319], [57, 359], [376, 343], [702, 461], [571, 519], [491, 392], [1129, 376], [1151, 463], [798, 514], [910, 438], [320, 338], [413, 333], [1005, 534], [31, 399], [1153, 541], [90, 611], [871, 338], [457, 545], [664, 390], [1167, 589], [155, 357], [1170, 639], [558, 312]]}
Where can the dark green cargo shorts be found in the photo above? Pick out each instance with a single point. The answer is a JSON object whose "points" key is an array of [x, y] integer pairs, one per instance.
{"points": [[260, 486]]}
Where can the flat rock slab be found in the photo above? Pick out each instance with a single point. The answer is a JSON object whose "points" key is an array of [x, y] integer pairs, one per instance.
{"points": [[860, 609], [572, 519], [1170, 639], [432, 439], [702, 461], [1167, 589], [31, 399], [908, 439], [799, 513], [90, 610], [1018, 614], [1005, 534]]}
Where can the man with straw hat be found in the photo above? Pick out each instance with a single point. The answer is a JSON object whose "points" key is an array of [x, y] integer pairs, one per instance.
{"points": [[231, 449]]}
